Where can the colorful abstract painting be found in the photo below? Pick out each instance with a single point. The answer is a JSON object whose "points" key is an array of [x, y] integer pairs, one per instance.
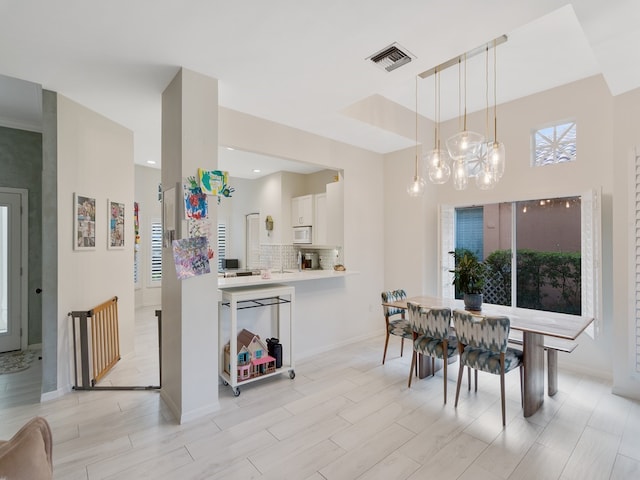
{"points": [[84, 222], [195, 201], [211, 181], [116, 224], [136, 222], [191, 257], [215, 182]]}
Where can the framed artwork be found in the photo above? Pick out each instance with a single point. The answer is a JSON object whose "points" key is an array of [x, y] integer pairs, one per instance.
{"points": [[191, 256], [195, 200], [84, 222], [116, 225]]}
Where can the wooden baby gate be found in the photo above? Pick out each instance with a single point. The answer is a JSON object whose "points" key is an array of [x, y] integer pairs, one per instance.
{"points": [[99, 339], [100, 324]]}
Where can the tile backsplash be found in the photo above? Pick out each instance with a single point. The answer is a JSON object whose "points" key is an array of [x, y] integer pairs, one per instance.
{"points": [[276, 256]]}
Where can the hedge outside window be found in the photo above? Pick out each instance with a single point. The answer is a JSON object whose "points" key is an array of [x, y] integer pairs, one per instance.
{"points": [[556, 242]]}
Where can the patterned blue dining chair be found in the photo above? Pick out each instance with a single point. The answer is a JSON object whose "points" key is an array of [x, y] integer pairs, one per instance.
{"points": [[396, 323], [432, 336], [482, 345]]}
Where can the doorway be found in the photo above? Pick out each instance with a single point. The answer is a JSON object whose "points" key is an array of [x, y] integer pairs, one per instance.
{"points": [[13, 269], [252, 240]]}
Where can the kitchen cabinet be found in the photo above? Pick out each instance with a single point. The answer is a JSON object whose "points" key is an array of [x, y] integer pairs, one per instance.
{"points": [[302, 211], [335, 213], [320, 219]]}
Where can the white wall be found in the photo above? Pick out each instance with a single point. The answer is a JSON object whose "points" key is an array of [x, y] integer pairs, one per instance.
{"points": [[95, 158], [590, 104], [270, 201], [337, 311], [150, 208]]}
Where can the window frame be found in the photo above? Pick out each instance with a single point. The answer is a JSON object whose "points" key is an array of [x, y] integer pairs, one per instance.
{"points": [[554, 125], [591, 252]]}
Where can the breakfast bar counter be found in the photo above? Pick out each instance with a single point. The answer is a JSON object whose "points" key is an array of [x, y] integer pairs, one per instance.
{"points": [[286, 277]]}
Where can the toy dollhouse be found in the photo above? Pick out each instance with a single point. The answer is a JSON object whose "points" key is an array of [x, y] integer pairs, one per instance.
{"points": [[253, 359]]}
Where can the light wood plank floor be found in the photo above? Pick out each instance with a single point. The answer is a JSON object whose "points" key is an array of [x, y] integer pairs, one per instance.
{"points": [[344, 416]]}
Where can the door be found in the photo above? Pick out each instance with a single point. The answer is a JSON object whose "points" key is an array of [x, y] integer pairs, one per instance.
{"points": [[252, 239], [11, 257]]}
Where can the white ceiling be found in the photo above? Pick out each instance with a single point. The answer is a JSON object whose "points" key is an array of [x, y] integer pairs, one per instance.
{"points": [[301, 64]]}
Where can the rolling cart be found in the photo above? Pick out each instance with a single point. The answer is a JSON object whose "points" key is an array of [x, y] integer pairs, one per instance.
{"points": [[242, 298]]}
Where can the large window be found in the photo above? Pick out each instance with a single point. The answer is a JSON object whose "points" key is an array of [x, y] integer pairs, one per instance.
{"points": [[541, 254]]}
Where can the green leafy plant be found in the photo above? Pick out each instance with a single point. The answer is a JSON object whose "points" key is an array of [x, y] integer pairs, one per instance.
{"points": [[469, 274]]}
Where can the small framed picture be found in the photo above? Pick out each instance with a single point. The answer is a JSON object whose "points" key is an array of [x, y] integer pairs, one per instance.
{"points": [[84, 222], [116, 224]]}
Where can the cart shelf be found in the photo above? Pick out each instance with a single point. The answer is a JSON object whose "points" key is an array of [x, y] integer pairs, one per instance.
{"points": [[254, 297]]}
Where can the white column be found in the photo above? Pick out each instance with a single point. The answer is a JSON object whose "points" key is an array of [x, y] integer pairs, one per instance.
{"points": [[189, 307]]}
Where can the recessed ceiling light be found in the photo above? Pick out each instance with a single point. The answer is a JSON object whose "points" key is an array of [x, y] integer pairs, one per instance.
{"points": [[230, 148], [151, 162], [256, 170]]}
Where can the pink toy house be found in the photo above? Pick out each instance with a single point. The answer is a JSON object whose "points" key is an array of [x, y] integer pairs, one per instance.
{"points": [[253, 359]]}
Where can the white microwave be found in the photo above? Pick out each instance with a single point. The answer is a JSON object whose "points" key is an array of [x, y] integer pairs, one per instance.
{"points": [[302, 235]]}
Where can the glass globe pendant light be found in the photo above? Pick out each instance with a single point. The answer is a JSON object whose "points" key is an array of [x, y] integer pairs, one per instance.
{"points": [[417, 184], [486, 178], [495, 150], [438, 159], [416, 187], [460, 177], [464, 144]]}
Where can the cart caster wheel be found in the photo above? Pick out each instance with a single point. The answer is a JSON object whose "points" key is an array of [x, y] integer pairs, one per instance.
{"points": [[236, 392], [292, 374], [225, 383]]}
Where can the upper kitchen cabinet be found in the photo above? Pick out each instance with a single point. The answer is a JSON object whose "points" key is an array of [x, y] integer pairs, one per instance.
{"points": [[328, 222], [302, 211], [320, 219], [335, 213]]}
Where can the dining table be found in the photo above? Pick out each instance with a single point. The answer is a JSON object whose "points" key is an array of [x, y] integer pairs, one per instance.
{"points": [[534, 325]]}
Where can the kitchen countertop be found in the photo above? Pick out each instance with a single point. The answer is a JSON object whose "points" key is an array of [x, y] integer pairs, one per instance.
{"points": [[276, 277]]}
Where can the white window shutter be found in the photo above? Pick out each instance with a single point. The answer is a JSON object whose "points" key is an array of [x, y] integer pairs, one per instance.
{"points": [[447, 244], [590, 257], [156, 251], [222, 244], [634, 209]]}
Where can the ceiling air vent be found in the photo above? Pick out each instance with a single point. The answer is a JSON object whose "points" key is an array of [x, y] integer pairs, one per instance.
{"points": [[391, 57]]}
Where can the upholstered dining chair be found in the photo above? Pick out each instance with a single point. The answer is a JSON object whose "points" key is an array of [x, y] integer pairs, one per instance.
{"points": [[396, 323], [432, 336], [482, 345]]}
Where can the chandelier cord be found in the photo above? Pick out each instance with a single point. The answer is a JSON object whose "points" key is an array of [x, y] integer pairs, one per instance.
{"points": [[495, 95], [459, 93], [465, 92], [436, 104], [416, 171], [487, 92]]}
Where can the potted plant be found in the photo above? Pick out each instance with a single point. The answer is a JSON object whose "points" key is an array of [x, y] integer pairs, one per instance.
{"points": [[469, 276]]}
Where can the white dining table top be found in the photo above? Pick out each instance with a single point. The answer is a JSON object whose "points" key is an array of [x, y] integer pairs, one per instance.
{"points": [[559, 325]]}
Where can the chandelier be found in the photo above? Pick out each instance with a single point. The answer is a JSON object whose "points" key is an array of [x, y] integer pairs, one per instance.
{"points": [[470, 154]]}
